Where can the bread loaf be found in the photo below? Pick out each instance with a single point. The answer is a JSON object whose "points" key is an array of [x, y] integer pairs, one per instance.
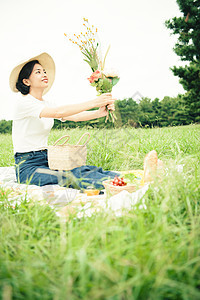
{"points": [[150, 166]]}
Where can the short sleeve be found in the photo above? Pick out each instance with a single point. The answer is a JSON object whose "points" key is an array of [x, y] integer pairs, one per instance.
{"points": [[27, 106]]}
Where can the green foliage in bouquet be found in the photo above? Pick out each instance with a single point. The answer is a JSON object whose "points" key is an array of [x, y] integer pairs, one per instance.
{"points": [[91, 58], [103, 85]]}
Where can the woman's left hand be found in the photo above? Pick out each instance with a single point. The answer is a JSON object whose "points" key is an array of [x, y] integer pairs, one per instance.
{"points": [[102, 111]]}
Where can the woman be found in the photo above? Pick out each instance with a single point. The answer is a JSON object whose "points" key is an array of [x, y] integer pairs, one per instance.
{"points": [[33, 120]]}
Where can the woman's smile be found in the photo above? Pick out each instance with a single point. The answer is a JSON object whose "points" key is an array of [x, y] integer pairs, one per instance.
{"points": [[45, 80]]}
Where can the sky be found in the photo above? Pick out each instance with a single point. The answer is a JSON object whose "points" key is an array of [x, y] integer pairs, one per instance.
{"points": [[141, 46]]}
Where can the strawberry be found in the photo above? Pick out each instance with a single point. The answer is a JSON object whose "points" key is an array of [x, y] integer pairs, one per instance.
{"points": [[117, 181]]}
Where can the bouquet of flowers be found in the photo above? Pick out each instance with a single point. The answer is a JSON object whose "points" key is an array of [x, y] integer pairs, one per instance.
{"points": [[89, 44]]}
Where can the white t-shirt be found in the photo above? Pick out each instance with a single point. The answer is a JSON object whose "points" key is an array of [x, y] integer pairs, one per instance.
{"points": [[29, 131]]}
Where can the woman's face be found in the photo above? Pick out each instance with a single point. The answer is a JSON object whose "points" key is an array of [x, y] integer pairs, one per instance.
{"points": [[38, 78]]}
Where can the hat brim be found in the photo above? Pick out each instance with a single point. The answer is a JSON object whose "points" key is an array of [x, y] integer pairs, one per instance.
{"points": [[46, 62]]}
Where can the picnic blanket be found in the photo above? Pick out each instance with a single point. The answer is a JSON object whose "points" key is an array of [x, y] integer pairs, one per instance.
{"points": [[66, 201]]}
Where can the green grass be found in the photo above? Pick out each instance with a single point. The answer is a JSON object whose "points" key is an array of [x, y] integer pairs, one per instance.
{"points": [[146, 254]]}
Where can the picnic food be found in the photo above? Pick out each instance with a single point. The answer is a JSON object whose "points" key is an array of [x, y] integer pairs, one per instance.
{"points": [[117, 181], [91, 192], [113, 189], [150, 166], [153, 167]]}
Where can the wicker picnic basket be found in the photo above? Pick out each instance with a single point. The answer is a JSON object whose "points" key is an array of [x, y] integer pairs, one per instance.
{"points": [[67, 157], [113, 190]]}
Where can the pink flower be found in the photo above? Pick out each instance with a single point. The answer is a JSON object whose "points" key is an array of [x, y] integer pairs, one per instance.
{"points": [[95, 76]]}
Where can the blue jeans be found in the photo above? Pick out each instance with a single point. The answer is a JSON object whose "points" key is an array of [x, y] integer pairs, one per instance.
{"points": [[32, 168]]}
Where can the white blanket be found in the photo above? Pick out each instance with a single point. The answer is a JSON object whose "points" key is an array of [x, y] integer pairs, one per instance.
{"points": [[64, 199]]}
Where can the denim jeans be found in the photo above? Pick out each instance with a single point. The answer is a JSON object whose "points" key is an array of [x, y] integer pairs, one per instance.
{"points": [[32, 168]]}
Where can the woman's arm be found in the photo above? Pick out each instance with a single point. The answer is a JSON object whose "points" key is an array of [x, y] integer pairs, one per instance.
{"points": [[82, 116], [89, 115], [70, 110]]}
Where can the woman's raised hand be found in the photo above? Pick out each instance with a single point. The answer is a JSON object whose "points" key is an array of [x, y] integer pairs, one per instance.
{"points": [[103, 100], [102, 111]]}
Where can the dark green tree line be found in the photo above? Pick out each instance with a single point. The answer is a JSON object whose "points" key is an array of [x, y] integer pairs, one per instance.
{"points": [[147, 113], [187, 28], [5, 126]]}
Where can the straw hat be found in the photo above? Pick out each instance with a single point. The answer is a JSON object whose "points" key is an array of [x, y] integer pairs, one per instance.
{"points": [[47, 63]]}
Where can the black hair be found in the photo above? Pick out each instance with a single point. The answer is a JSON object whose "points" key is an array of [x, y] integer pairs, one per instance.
{"points": [[25, 74]]}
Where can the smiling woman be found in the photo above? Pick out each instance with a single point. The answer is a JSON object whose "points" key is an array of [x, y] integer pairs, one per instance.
{"points": [[25, 72], [36, 79], [33, 120]]}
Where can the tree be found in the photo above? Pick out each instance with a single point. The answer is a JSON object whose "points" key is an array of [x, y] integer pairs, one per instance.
{"points": [[126, 112], [146, 113], [187, 47], [156, 106], [5, 126]]}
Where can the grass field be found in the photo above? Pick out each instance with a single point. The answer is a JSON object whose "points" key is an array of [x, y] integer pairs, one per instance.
{"points": [[146, 254]]}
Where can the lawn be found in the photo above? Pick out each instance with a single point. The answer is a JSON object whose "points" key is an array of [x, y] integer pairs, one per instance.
{"points": [[145, 254]]}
